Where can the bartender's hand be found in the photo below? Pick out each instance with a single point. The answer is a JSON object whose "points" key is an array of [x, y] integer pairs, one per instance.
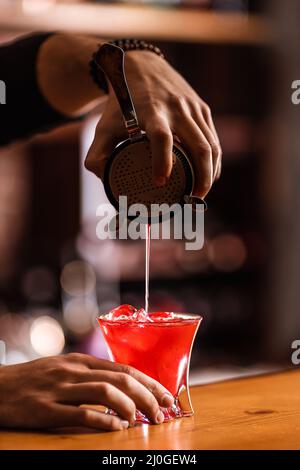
{"points": [[166, 105], [47, 393], [164, 101]]}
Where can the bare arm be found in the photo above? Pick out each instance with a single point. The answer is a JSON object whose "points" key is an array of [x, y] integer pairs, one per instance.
{"points": [[165, 103], [59, 87], [63, 73]]}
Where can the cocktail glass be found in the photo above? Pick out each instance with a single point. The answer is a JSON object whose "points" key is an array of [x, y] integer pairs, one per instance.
{"points": [[161, 349]]}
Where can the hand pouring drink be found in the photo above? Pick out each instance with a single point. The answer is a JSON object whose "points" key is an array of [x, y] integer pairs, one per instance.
{"points": [[158, 344], [128, 171]]}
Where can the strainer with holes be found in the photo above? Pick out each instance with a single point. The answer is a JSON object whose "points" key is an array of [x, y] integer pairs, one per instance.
{"points": [[128, 171]]}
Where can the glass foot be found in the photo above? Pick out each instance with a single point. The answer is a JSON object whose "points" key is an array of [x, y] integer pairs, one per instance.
{"points": [[173, 412]]}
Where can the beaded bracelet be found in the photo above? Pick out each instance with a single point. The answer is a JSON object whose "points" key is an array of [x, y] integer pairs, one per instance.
{"points": [[127, 45]]}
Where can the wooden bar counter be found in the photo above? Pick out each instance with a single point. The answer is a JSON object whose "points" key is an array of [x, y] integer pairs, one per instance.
{"points": [[253, 413]]}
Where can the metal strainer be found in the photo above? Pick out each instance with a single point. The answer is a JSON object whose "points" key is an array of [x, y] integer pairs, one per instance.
{"points": [[128, 171]]}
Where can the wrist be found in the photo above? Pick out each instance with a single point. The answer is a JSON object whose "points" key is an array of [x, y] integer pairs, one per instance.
{"points": [[63, 72], [136, 51], [137, 61]]}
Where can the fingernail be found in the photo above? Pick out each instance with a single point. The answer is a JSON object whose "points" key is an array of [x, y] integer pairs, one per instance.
{"points": [[160, 181], [160, 417], [125, 424], [167, 400], [132, 422]]}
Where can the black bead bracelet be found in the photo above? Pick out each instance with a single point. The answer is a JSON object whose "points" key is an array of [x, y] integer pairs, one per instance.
{"points": [[127, 45]]}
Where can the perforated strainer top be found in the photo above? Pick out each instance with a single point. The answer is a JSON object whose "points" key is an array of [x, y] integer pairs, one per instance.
{"points": [[129, 173]]}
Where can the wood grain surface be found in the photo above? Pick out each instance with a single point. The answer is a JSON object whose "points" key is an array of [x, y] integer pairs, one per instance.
{"points": [[254, 413]]}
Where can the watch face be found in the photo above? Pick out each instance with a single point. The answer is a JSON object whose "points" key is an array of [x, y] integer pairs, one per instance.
{"points": [[128, 172]]}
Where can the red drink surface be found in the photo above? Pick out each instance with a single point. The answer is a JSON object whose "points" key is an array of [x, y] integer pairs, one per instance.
{"points": [[158, 345]]}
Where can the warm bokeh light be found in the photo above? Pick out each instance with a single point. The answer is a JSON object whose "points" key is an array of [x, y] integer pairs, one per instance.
{"points": [[227, 252], [79, 315], [46, 336], [78, 278], [2, 352], [15, 357]]}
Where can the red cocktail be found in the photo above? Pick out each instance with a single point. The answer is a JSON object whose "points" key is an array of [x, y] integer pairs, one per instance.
{"points": [[158, 344]]}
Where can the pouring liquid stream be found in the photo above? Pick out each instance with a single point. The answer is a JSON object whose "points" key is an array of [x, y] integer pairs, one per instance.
{"points": [[147, 264]]}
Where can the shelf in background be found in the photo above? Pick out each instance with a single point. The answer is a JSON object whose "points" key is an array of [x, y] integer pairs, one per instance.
{"points": [[169, 24]]}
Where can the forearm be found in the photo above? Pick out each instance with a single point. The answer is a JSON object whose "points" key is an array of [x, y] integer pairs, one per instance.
{"points": [[63, 73]]}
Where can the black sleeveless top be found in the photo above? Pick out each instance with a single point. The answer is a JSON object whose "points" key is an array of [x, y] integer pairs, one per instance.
{"points": [[25, 111]]}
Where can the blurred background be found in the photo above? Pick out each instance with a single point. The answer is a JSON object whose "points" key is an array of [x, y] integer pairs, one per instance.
{"points": [[55, 275]]}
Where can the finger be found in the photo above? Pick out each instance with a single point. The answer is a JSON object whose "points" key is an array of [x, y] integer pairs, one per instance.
{"points": [[210, 135], [161, 143], [143, 398], [102, 146], [163, 396], [101, 393], [200, 151], [208, 118], [219, 169], [63, 415]]}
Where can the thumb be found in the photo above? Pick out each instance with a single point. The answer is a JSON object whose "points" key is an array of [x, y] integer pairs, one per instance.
{"points": [[102, 146]]}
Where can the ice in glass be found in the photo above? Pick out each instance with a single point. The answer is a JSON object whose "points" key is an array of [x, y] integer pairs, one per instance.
{"points": [[158, 344]]}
